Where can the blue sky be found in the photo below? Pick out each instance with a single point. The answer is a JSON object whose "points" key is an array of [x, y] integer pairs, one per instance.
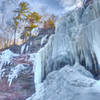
{"points": [[50, 6]]}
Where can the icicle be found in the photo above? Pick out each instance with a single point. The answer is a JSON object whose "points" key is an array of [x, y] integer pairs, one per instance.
{"points": [[41, 60], [22, 48]]}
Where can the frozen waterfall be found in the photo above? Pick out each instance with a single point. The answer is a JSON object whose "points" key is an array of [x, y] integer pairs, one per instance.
{"points": [[76, 40], [41, 62], [78, 37]]}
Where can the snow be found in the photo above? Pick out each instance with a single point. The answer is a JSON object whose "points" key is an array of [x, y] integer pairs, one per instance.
{"points": [[98, 83], [32, 57], [75, 84], [6, 56], [35, 31], [14, 73]]}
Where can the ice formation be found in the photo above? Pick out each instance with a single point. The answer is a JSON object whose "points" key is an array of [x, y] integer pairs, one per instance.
{"points": [[22, 48], [41, 61], [77, 36], [44, 40], [76, 39]]}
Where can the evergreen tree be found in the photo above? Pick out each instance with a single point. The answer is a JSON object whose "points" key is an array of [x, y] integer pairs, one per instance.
{"points": [[21, 13]]}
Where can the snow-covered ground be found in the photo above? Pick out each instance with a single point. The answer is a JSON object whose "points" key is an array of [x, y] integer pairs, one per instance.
{"points": [[6, 60], [14, 73]]}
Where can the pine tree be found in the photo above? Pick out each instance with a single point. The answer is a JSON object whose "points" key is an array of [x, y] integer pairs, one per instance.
{"points": [[33, 18], [21, 14]]}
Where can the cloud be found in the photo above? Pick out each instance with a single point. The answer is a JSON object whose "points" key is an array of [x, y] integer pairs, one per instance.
{"points": [[70, 4], [54, 6], [46, 6]]}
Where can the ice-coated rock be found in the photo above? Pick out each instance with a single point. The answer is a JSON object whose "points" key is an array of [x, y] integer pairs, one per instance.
{"points": [[41, 61], [77, 37], [82, 70], [74, 42], [67, 84], [76, 46]]}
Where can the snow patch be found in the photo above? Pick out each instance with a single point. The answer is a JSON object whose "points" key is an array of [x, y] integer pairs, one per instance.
{"points": [[14, 73], [6, 56], [35, 32], [98, 83]]}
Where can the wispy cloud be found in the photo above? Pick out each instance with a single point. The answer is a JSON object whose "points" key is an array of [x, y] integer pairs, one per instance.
{"points": [[70, 4], [46, 6], [54, 6]]}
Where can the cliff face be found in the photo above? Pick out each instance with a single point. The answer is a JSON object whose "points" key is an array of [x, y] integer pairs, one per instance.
{"points": [[76, 48], [77, 37]]}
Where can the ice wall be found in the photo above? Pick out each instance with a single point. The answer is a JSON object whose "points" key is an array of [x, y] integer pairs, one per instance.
{"points": [[76, 40], [41, 62], [78, 37]]}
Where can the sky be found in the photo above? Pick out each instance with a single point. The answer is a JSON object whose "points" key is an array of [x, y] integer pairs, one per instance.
{"points": [[46, 6], [53, 6], [57, 7]]}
